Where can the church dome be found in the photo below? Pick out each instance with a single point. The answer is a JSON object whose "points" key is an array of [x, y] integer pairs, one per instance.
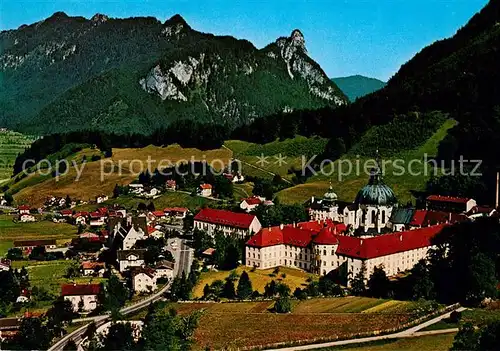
{"points": [[376, 192], [330, 195]]}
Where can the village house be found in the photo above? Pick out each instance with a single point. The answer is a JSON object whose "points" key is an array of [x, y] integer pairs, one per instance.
{"points": [[90, 268], [241, 225], [28, 245], [205, 190], [23, 209], [164, 269], [236, 177], [9, 328], [26, 218], [144, 280], [130, 258], [136, 189], [251, 203], [158, 215], [80, 218], [126, 231], [171, 185], [4, 264], [327, 249], [83, 297], [176, 212], [101, 198]]}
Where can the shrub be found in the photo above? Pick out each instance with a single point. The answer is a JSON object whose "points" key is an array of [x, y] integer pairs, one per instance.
{"points": [[283, 305]]}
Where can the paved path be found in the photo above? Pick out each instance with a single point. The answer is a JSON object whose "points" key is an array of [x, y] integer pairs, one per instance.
{"points": [[408, 333]]}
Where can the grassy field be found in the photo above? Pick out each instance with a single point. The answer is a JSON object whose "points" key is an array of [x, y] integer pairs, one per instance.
{"points": [[10, 231], [250, 324], [441, 342], [50, 274], [100, 177], [347, 186], [11, 144], [292, 149], [294, 278]]}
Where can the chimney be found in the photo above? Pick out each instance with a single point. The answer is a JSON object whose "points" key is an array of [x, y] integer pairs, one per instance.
{"points": [[361, 242], [496, 194], [449, 217], [400, 237], [312, 197], [281, 226]]}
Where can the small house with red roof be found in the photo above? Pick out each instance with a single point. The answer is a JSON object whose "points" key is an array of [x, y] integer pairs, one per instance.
{"points": [[23, 209], [250, 203], [171, 185], [205, 190], [83, 297], [230, 223], [90, 268], [450, 203], [176, 212]]}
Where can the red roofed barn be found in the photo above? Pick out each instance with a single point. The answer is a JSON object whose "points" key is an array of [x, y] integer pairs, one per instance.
{"points": [[83, 297]]}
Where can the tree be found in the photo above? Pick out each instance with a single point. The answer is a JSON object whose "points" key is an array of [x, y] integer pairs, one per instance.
{"points": [[119, 337], [70, 346], [358, 287], [480, 279], [116, 294], [206, 291], [151, 207], [38, 253], [244, 289], [422, 286], [270, 289], [33, 335], [378, 284], [283, 305], [466, 339], [228, 291], [223, 187], [283, 290], [490, 336], [300, 294], [116, 191], [142, 207], [14, 254], [61, 312]]}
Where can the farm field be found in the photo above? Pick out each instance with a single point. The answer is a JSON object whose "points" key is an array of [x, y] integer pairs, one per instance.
{"points": [[10, 231], [167, 199], [35, 188], [250, 324], [347, 186], [441, 342], [11, 144], [294, 278]]}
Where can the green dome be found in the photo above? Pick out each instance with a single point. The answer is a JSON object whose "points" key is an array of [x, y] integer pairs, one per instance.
{"points": [[376, 192]]}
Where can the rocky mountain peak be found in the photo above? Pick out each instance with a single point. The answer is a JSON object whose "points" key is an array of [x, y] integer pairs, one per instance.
{"points": [[175, 26], [297, 39]]}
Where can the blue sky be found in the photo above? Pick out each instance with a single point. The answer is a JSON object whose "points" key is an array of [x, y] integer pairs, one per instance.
{"points": [[345, 37]]}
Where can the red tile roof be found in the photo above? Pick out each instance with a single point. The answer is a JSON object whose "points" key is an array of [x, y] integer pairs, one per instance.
{"points": [[23, 207], [418, 218], [326, 236], [387, 244], [80, 289], [158, 213], [66, 212], [88, 235], [254, 200], [226, 218], [92, 265], [175, 209], [151, 229], [459, 200], [206, 186]]}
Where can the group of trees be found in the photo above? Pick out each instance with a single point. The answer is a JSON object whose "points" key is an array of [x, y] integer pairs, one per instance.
{"points": [[280, 214], [229, 250], [182, 287], [227, 289], [163, 330], [485, 338]]}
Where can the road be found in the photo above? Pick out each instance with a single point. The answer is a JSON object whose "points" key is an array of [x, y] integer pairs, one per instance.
{"points": [[99, 320], [408, 333], [183, 255]]}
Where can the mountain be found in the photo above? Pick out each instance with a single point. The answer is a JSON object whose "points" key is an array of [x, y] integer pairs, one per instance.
{"points": [[138, 74], [358, 86]]}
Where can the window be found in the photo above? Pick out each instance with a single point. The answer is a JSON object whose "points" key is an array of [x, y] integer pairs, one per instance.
{"points": [[333, 252], [373, 216], [324, 252]]}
